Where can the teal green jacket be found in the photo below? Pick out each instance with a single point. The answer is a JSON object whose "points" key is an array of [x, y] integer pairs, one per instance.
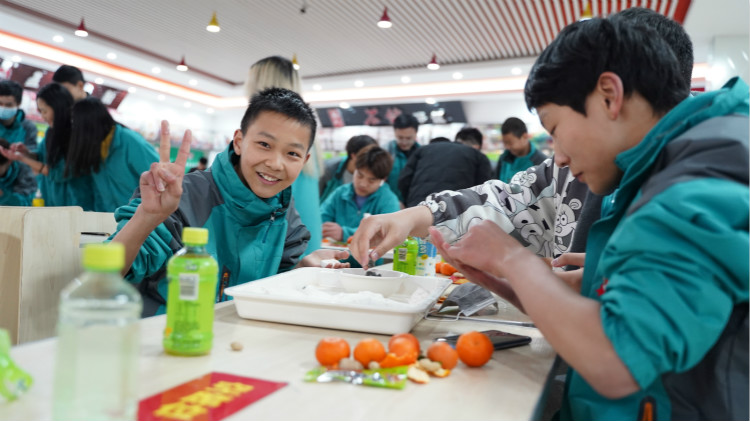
{"points": [[250, 237], [59, 190], [668, 262], [307, 203], [341, 207], [399, 162], [334, 181], [129, 156], [508, 164], [21, 131], [18, 185]]}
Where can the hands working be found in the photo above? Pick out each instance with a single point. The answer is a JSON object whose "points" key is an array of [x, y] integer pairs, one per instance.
{"points": [[333, 230], [384, 232], [19, 152], [325, 258]]}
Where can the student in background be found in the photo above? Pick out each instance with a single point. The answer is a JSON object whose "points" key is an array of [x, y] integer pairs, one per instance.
{"points": [[470, 136], [202, 165], [110, 153], [442, 165], [245, 201], [519, 153], [344, 209], [405, 128], [17, 183], [279, 72], [339, 171], [14, 127], [72, 79]]}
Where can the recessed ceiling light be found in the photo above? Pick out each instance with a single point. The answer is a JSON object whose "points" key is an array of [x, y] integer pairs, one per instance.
{"points": [[155, 70], [58, 38], [359, 83], [209, 110], [516, 70], [111, 56], [15, 59], [458, 75], [317, 87], [193, 82], [161, 97], [187, 104], [344, 105], [405, 79], [131, 89], [99, 81], [430, 100], [88, 88]]}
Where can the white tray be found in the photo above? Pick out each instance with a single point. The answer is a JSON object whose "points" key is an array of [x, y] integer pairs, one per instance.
{"points": [[314, 297]]}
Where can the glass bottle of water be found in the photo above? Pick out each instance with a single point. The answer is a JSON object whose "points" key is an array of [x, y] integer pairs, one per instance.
{"points": [[96, 375]]}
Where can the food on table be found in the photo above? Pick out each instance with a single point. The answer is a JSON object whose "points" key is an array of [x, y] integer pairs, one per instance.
{"points": [[236, 346], [433, 367], [443, 353], [331, 350], [369, 350], [408, 336], [474, 348], [447, 270], [417, 375], [350, 364], [404, 347]]}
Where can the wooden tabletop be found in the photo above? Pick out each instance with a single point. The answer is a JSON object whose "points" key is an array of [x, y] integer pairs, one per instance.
{"points": [[506, 388]]}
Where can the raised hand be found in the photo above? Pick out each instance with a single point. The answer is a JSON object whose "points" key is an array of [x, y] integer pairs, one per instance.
{"points": [[161, 185]]}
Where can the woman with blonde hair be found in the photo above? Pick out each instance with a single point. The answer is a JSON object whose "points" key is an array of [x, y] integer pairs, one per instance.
{"points": [[279, 72]]}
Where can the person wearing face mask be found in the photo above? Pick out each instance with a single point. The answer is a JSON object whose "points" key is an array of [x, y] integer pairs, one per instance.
{"points": [[13, 124]]}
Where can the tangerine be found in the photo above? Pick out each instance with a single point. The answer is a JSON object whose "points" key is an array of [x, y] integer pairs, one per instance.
{"points": [[331, 350], [405, 349], [443, 353], [447, 270], [393, 360], [438, 265], [368, 350], [408, 336], [474, 348]]}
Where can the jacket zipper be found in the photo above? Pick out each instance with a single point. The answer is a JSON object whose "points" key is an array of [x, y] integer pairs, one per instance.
{"points": [[270, 222]]}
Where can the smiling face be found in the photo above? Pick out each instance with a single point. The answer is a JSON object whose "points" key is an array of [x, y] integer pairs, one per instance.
{"points": [[272, 153], [365, 183], [48, 114]]}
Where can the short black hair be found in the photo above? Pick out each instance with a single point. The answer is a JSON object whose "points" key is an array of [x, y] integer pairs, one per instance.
{"points": [[568, 70], [404, 121], [282, 101], [203, 160], [5, 144], [11, 88], [439, 139], [470, 135], [355, 143], [70, 74], [514, 126], [672, 32], [375, 159]]}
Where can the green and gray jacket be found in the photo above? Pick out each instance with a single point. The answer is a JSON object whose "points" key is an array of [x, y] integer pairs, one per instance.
{"points": [[399, 162], [250, 237], [18, 185], [668, 261]]}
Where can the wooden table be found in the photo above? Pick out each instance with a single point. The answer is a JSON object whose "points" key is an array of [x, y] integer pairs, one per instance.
{"points": [[507, 388]]}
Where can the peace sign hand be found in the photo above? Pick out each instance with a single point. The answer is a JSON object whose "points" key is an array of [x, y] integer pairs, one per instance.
{"points": [[161, 185]]}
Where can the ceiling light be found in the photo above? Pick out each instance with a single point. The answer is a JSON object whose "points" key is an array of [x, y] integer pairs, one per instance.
{"points": [[88, 88], [516, 71], [99, 81], [131, 90], [359, 83], [15, 59], [430, 101], [586, 15], [187, 104], [161, 97], [433, 64], [344, 105], [385, 21], [182, 66], [209, 110], [81, 30], [405, 79], [213, 25], [295, 63], [193, 82], [155, 70], [111, 56], [317, 87], [58, 38], [458, 75]]}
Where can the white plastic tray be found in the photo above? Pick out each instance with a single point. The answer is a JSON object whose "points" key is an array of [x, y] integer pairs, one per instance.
{"points": [[314, 297]]}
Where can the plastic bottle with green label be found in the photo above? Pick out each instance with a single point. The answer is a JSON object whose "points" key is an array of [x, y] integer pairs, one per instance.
{"points": [[405, 256], [192, 275]]}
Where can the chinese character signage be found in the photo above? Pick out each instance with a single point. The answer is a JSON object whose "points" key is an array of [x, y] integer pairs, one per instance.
{"points": [[383, 115]]}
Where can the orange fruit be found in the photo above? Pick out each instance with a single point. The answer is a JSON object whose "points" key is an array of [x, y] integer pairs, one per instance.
{"points": [[438, 265], [447, 270], [405, 349], [368, 350], [474, 348], [393, 360], [331, 350], [408, 336], [443, 353]]}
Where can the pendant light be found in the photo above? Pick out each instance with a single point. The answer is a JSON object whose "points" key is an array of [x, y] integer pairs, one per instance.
{"points": [[433, 64], [295, 63], [586, 15], [213, 24], [385, 21], [182, 66], [81, 30]]}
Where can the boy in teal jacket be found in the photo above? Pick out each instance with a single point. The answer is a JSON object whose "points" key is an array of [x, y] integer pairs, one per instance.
{"points": [[343, 210], [17, 183], [659, 329], [244, 201]]}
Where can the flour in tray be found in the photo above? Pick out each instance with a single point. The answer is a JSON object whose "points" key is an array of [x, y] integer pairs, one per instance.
{"points": [[408, 296]]}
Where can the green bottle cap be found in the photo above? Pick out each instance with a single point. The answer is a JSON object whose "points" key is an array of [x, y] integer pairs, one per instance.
{"points": [[104, 256], [195, 236]]}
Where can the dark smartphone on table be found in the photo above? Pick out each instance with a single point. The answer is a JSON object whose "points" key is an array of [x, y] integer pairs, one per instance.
{"points": [[500, 339]]}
